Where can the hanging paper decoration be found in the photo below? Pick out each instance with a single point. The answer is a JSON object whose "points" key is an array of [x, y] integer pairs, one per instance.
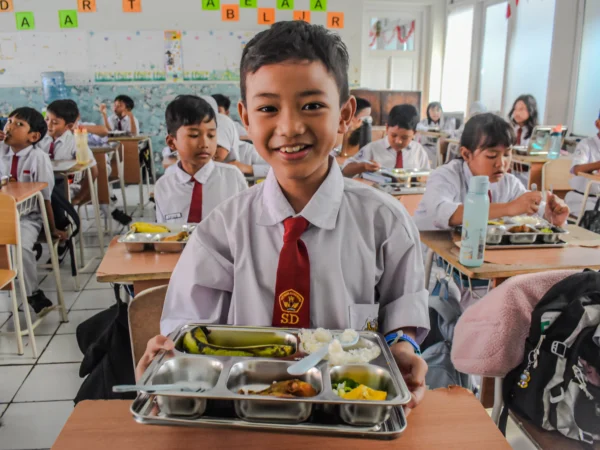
{"points": [[397, 33]]}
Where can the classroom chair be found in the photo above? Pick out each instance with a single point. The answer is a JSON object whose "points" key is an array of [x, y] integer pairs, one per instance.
{"points": [[120, 177], [586, 195], [556, 175], [10, 235], [144, 319]]}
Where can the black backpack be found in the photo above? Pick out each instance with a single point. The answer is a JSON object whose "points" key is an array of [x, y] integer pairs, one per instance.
{"points": [[64, 213], [557, 386], [591, 218]]}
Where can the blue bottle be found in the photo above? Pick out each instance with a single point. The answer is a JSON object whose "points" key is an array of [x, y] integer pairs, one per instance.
{"points": [[555, 142], [475, 219], [53, 86]]}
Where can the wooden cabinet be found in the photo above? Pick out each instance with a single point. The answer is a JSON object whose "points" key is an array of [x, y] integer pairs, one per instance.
{"points": [[383, 101]]}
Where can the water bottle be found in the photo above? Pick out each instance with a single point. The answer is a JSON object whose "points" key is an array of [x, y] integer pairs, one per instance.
{"points": [[81, 142], [475, 219], [555, 142], [53, 86]]}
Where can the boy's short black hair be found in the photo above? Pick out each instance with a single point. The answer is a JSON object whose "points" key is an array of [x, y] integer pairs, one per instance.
{"points": [[187, 110], [404, 116], [297, 41], [223, 101], [362, 103], [34, 118], [487, 130], [64, 109], [127, 100]]}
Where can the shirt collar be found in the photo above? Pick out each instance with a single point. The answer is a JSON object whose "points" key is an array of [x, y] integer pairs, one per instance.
{"points": [[322, 209], [63, 137], [22, 153], [201, 176]]}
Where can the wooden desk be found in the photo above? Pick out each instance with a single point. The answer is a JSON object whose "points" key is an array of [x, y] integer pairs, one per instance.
{"points": [[590, 176], [100, 156], [535, 164], [144, 270], [448, 418], [22, 191], [131, 156], [410, 201]]}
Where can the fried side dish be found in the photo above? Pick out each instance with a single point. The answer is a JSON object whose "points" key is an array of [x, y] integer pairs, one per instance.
{"points": [[179, 237], [285, 389], [520, 229]]}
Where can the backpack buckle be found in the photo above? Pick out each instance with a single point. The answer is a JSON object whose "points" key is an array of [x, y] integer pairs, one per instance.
{"points": [[586, 437], [559, 398], [559, 348]]}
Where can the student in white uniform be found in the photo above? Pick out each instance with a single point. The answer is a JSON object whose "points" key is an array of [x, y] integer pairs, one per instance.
{"points": [[350, 144], [289, 236], [397, 150], [169, 157], [123, 118], [224, 104], [250, 162], [196, 184], [23, 161], [524, 117], [486, 149], [435, 121], [586, 159], [59, 143], [226, 128]]}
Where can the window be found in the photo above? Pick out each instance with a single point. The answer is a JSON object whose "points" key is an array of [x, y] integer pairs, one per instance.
{"points": [[491, 79], [392, 34], [457, 60]]}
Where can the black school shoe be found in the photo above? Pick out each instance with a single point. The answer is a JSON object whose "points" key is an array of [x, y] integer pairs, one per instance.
{"points": [[39, 302], [121, 217]]}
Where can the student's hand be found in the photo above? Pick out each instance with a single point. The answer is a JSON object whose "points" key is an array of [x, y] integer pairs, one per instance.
{"points": [[528, 203], [155, 345], [557, 210], [371, 166], [413, 369], [61, 235], [103, 108]]}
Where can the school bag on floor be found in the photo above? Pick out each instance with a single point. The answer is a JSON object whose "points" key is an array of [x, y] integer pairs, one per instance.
{"points": [[591, 218], [444, 312], [557, 386]]}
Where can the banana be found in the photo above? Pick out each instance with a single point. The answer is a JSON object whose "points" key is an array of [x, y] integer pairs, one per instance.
{"points": [[144, 227], [196, 342]]}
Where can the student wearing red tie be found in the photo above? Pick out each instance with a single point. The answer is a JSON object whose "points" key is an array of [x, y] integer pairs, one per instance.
{"points": [[23, 161], [524, 117], [307, 247], [397, 150], [123, 118], [486, 150], [195, 185]]}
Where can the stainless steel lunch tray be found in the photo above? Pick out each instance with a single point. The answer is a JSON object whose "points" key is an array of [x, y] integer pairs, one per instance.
{"points": [[221, 377], [405, 174], [499, 237], [139, 242]]}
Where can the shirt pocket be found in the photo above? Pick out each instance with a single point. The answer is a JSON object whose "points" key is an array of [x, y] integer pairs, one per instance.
{"points": [[26, 176], [364, 317]]}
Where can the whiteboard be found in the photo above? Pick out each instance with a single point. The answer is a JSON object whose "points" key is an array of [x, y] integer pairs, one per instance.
{"points": [[23, 56]]}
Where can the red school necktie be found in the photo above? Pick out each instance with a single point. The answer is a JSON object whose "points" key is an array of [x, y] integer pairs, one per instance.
{"points": [[292, 287], [399, 160], [195, 214], [119, 125], [51, 150], [14, 168], [519, 135], [490, 196]]}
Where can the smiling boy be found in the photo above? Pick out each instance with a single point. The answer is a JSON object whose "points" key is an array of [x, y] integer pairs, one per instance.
{"points": [[346, 253]]}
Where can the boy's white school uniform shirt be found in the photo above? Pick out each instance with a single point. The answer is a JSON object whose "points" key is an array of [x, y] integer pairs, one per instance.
{"points": [[413, 157], [365, 261], [113, 121], [173, 191], [447, 188], [250, 156], [587, 151]]}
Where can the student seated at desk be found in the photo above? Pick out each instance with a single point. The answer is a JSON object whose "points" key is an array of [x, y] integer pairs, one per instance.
{"points": [[224, 104], [586, 159], [169, 157], [226, 128], [397, 150], [524, 117], [350, 144], [196, 185], [59, 143], [23, 161], [486, 149], [250, 161], [435, 121], [123, 118], [290, 234]]}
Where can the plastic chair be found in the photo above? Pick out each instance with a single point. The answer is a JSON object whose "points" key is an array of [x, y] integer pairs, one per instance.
{"points": [[145, 311], [10, 235]]}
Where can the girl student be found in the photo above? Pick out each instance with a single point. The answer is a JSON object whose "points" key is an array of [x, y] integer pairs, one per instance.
{"points": [[435, 121], [524, 117], [486, 149]]}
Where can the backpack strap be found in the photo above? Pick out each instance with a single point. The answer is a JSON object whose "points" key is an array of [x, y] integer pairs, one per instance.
{"points": [[444, 308]]}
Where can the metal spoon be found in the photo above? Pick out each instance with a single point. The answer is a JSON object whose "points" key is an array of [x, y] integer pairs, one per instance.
{"points": [[154, 388]]}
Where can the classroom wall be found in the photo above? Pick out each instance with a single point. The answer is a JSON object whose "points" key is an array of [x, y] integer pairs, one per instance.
{"points": [[150, 98]]}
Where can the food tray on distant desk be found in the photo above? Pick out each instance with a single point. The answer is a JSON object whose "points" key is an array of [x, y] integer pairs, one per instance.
{"points": [[171, 241], [242, 391]]}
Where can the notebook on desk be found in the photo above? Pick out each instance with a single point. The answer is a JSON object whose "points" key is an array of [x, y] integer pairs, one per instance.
{"points": [[63, 165]]}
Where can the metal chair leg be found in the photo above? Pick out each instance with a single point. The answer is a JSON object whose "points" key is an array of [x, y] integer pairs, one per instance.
{"points": [[16, 319]]}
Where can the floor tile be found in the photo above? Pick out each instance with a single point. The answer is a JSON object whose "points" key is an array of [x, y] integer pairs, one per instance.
{"points": [[95, 299], [8, 350], [2, 409], [33, 425], [62, 349], [75, 319], [47, 328], [4, 316], [67, 282], [5, 302], [50, 382], [12, 378], [516, 438]]}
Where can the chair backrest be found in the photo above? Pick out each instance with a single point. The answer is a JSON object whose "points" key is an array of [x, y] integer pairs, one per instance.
{"points": [[557, 174], [144, 319], [8, 220]]}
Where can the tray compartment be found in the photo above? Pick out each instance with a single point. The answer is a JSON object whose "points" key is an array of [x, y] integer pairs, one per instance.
{"points": [[375, 377], [183, 369], [258, 375]]}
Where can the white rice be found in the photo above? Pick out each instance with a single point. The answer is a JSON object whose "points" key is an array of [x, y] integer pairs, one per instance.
{"points": [[361, 353]]}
